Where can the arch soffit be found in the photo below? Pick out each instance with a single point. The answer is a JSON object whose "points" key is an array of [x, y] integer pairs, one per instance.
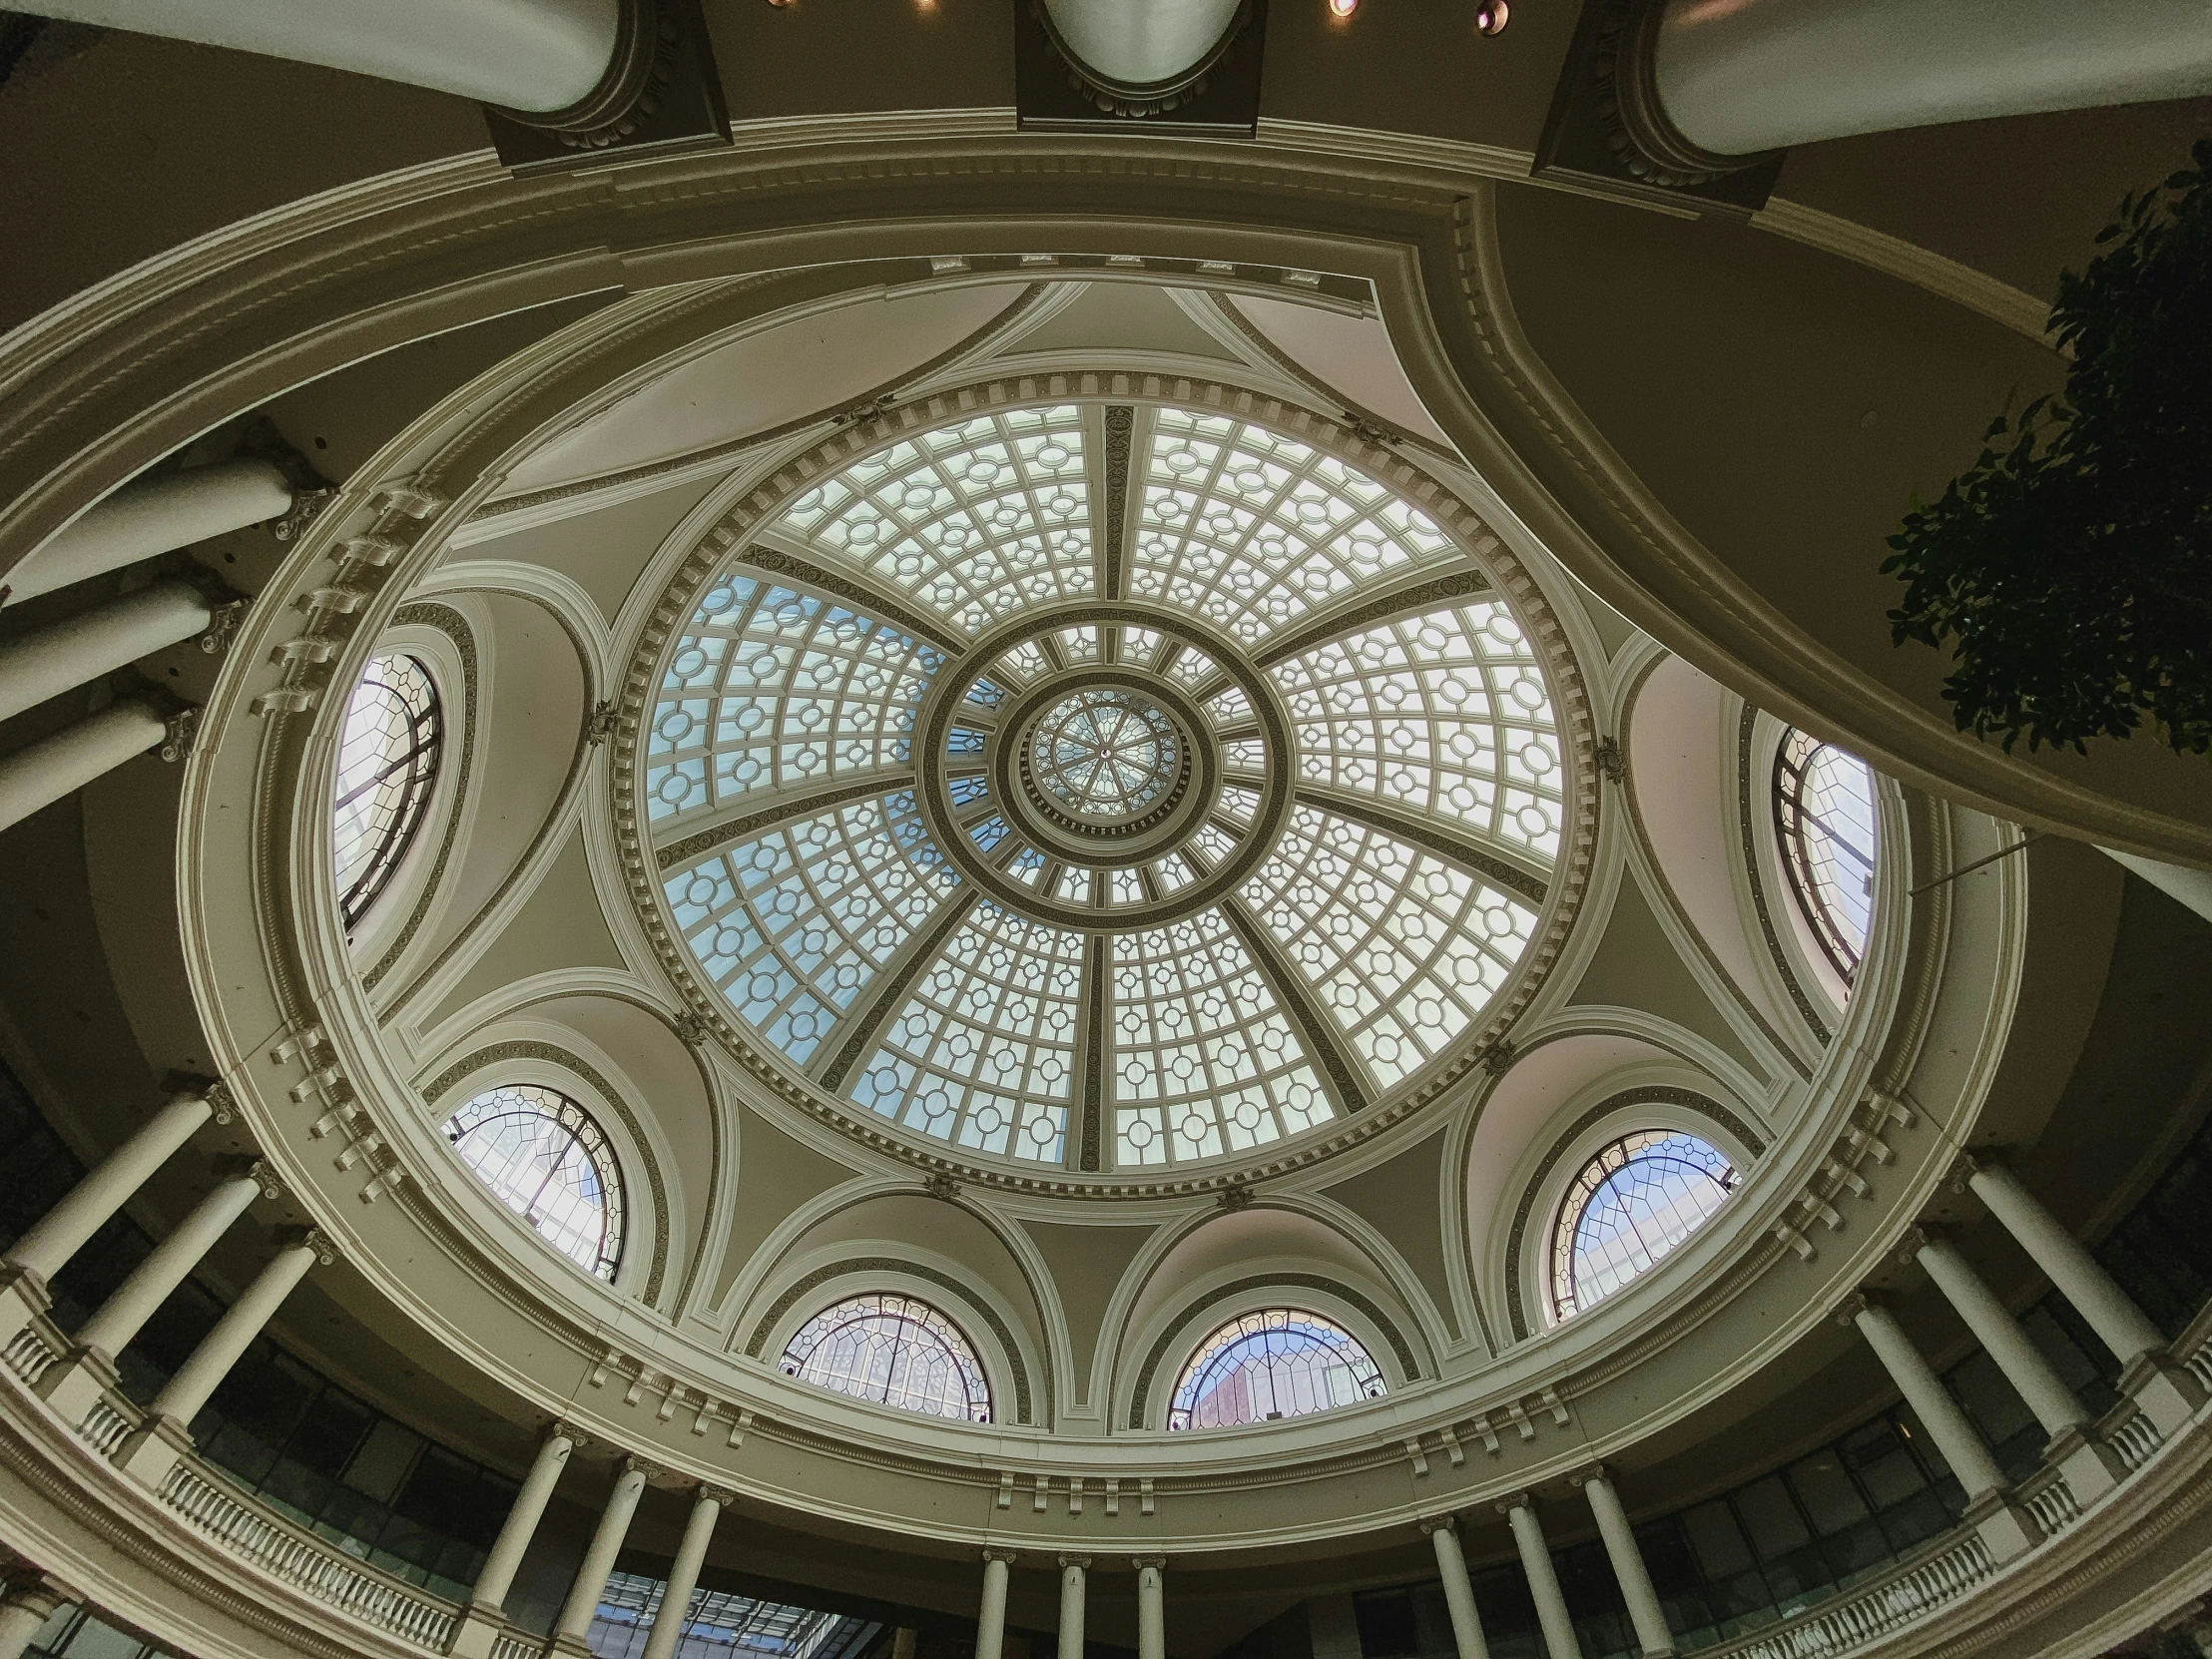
{"points": [[806, 1283], [207, 319], [604, 1090]]}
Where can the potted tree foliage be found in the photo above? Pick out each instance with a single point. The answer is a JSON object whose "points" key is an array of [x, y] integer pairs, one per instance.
{"points": [[2069, 568]]}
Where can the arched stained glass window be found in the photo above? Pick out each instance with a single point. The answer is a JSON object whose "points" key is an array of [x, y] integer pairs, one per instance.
{"points": [[1277, 1362], [545, 1159], [893, 1351], [1631, 1203], [1824, 813], [387, 763]]}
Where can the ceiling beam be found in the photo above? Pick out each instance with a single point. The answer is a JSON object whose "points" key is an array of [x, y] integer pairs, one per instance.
{"points": [[803, 802], [1515, 871], [1341, 1071], [855, 589], [1414, 594], [861, 1027]]}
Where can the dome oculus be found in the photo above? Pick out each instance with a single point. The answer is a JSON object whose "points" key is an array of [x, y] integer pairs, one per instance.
{"points": [[1103, 856]]}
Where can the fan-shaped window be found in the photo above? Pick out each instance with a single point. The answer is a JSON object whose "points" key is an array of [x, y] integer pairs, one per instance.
{"points": [[387, 763], [1823, 811], [1633, 1203], [545, 1159], [1277, 1363], [893, 1351]]}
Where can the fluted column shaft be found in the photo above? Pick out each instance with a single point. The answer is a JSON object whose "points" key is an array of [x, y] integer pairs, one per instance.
{"points": [[537, 55], [683, 1575], [497, 1575], [2056, 1405], [990, 1616], [1074, 1569], [57, 1236], [1544, 1581], [2111, 1311], [201, 1374], [151, 516], [1451, 1566], [599, 1555], [40, 774], [1644, 1612], [1924, 1390], [125, 1314], [51, 660]]}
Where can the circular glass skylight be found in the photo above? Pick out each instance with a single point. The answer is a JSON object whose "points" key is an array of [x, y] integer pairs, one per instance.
{"points": [[1104, 753], [1108, 851]]}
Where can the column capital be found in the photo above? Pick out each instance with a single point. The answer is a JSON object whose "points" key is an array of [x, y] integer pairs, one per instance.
{"points": [[1965, 1168], [263, 1175], [562, 1429], [1438, 1523], [722, 1495], [631, 1463], [1583, 1476], [1080, 1562], [1859, 1302], [1007, 1556], [1519, 1500], [1912, 1241], [1158, 1564]]}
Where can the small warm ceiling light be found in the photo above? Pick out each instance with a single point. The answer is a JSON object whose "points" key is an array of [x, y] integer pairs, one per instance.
{"points": [[1490, 17], [1342, 8]]}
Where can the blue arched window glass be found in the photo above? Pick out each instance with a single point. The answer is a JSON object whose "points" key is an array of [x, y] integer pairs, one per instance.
{"points": [[1630, 1205], [1277, 1362]]}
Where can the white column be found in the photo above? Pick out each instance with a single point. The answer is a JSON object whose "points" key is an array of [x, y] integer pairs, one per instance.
{"points": [[990, 1616], [2046, 1394], [1073, 1570], [46, 1249], [497, 1575], [683, 1576], [1544, 1581], [121, 1317], [2111, 1311], [1652, 1634], [1760, 74], [1924, 1390], [599, 1555], [51, 660], [151, 516], [1451, 1568], [152, 1450], [27, 1607], [1152, 1613], [526, 54], [40, 775], [2190, 888], [906, 1642], [210, 1362]]}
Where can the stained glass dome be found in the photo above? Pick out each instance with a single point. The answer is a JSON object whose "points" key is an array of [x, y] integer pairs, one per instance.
{"points": [[1103, 785]]}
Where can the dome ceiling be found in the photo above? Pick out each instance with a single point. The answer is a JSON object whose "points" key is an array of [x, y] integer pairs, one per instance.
{"points": [[1102, 785]]}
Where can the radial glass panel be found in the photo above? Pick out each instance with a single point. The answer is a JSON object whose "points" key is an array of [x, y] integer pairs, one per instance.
{"points": [[545, 1159], [1630, 1205], [388, 753], [972, 522], [1277, 1362], [1824, 815], [985, 1052], [1402, 948], [1204, 1062], [894, 1350]]}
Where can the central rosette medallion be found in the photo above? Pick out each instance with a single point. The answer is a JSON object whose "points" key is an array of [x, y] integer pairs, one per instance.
{"points": [[1104, 753]]}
